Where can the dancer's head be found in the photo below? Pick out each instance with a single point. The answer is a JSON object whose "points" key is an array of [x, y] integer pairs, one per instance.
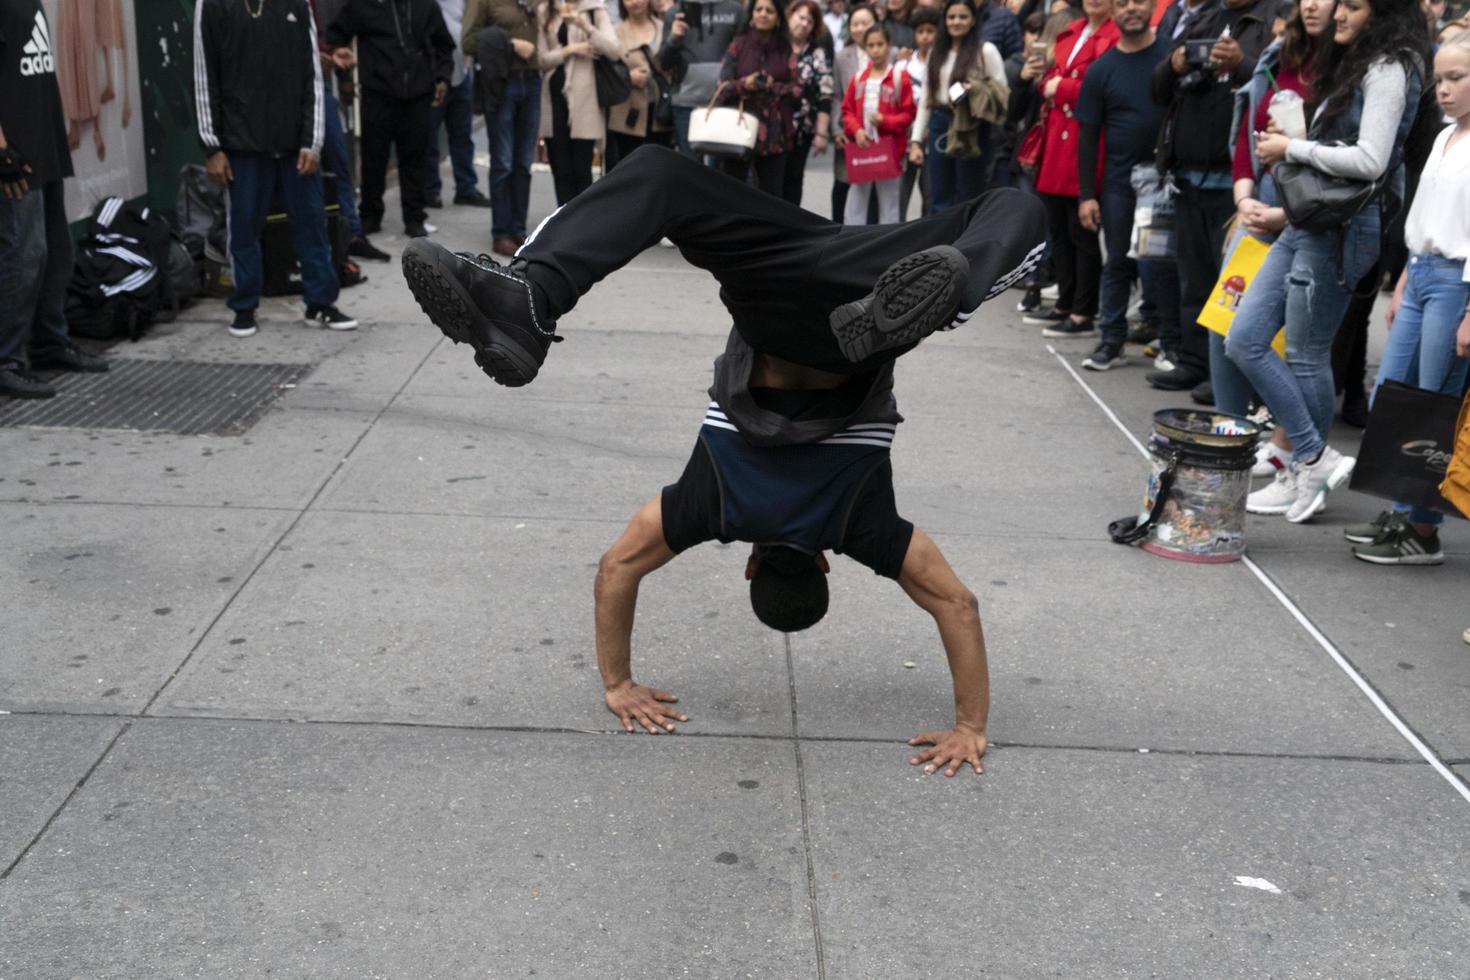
{"points": [[788, 588]]}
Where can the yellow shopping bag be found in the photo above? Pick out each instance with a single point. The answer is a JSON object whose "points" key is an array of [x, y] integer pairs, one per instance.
{"points": [[1235, 279]]}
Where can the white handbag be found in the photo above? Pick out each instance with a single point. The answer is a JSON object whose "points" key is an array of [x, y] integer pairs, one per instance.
{"points": [[723, 131]]}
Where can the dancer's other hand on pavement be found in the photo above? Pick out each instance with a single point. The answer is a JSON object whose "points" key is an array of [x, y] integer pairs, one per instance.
{"points": [[950, 750], [649, 707]]}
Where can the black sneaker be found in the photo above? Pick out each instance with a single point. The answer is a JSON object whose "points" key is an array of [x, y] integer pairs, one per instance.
{"points": [[1175, 379], [1104, 358], [244, 325], [371, 226], [417, 230], [475, 301], [434, 201], [1203, 394], [916, 296], [1045, 318], [1031, 302], [329, 317], [1068, 327], [69, 358], [17, 382], [474, 199], [361, 248]]}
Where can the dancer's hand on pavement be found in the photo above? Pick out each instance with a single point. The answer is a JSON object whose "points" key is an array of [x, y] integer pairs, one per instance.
{"points": [[646, 706], [951, 750], [307, 163]]}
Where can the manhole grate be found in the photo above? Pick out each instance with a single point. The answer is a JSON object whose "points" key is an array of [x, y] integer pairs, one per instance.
{"points": [[185, 397]]}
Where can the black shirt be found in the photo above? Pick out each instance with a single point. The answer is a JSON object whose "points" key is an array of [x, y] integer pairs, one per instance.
{"points": [[876, 536], [30, 99], [1115, 96]]}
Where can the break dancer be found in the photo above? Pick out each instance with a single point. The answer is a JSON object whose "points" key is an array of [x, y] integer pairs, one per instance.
{"points": [[793, 455]]}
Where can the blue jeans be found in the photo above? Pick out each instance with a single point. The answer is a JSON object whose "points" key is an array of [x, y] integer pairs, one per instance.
{"points": [[257, 178], [513, 134], [35, 266], [953, 181], [1421, 346], [335, 162], [1116, 200], [1232, 388], [1306, 281], [458, 113]]}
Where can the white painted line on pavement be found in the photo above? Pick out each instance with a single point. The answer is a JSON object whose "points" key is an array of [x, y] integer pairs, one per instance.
{"points": [[1373, 696]]}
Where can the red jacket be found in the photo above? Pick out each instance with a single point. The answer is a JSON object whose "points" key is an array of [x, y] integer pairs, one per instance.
{"points": [[896, 107], [1058, 173]]}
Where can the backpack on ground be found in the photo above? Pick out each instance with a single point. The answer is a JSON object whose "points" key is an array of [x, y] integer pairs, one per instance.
{"points": [[120, 280]]}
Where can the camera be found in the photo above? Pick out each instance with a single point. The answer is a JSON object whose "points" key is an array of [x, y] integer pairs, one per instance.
{"points": [[1197, 51]]}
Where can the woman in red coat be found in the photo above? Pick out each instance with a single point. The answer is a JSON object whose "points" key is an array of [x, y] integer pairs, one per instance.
{"points": [[1076, 256]]}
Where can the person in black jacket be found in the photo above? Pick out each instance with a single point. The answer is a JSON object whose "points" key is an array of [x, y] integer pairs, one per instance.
{"points": [[262, 114], [407, 60], [35, 249], [1196, 87]]}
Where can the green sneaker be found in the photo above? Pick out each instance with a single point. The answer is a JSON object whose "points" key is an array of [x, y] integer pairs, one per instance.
{"points": [[1402, 545], [1370, 532]]}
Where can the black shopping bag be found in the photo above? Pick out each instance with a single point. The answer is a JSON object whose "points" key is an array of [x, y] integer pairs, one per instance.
{"points": [[1407, 446]]}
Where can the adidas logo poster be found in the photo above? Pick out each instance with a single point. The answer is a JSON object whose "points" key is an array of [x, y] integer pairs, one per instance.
{"points": [[35, 57]]}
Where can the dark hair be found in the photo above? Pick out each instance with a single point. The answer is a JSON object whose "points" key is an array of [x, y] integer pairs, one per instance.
{"points": [[902, 16], [1035, 23], [967, 55], [926, 16], [782, 32], [1396, 32], [1300, 49], [878, 28], [788, 592], [819, 26]]}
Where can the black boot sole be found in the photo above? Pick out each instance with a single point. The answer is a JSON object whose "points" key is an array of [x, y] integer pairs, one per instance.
{"points": [[916, 296], [428, 267]]}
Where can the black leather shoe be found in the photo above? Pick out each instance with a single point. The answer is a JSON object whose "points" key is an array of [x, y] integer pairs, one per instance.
{"points": [[916, 296], [475, 200], [1203, 394], [363, 249], [416, 231], [1177, 379], [475, 301], [17, 382], [435, 201], [69, 358]]}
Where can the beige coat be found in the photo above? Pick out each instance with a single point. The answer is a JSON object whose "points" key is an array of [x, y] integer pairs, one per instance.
{"points": [[586, 116], [633, 56]]}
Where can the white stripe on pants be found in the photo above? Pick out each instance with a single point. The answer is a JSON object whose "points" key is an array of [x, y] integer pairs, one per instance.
{"points": [[857, 202]]}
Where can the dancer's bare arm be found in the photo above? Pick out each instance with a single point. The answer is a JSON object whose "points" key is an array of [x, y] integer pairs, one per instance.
{"points": [[640, 550], [934, 586]]}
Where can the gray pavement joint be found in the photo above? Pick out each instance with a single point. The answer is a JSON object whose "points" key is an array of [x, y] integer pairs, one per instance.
{"points": [[995, 745], [30, 845], [806, 824]]}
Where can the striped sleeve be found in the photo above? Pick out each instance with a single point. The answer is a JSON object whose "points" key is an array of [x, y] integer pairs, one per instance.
{"points": [[314, 100], [206, 74]]}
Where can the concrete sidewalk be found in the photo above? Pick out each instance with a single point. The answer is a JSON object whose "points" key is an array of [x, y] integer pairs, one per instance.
{"points": [[320, 699]]}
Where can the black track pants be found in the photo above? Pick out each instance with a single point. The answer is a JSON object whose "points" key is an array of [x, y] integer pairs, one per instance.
{"points": [[782, 270]]}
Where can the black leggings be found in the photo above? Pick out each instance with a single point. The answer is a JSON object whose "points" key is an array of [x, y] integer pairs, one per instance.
{"points": [[782, 270], [1075, 255]]}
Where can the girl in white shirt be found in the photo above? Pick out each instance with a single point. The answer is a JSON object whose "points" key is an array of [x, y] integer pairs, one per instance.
{"points": [[1429, 305]]}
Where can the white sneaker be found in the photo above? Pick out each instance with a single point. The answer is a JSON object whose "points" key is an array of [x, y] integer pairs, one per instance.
{"points": [[1164, 362], [1050, 293], [1315, 481], [1275, 497], [1270, 458]]}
